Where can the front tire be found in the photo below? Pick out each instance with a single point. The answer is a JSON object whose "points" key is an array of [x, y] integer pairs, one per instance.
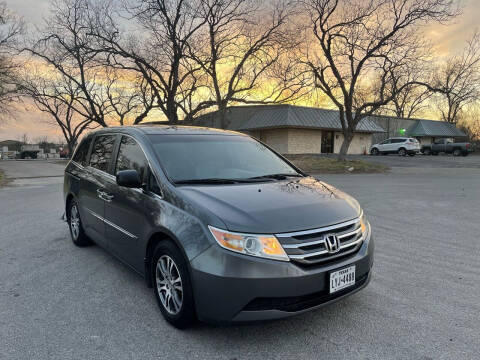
{"points": [[75, 225], [374, 152], [172, 285]]}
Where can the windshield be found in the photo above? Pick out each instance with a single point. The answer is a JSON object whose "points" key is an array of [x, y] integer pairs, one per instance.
{"points": [[197, 157]]}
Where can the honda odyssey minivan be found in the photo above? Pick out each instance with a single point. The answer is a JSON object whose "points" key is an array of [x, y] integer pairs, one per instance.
{"points": [[221, 226]]}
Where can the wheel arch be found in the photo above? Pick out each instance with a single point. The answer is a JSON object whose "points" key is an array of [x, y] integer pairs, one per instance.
{"points": [[68, 200], [156, 238]]}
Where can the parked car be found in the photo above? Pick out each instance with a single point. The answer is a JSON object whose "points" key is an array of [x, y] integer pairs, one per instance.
{"points": [[222, 227], [397, 145], [447, 146], [28, 154]]}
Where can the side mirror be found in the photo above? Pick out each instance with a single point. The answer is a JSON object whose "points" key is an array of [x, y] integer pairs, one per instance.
{"points": [[129, 178]]}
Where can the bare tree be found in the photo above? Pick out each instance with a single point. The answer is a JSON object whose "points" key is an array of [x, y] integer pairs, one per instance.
{"points": [[241, 43], [356, 41], [58, 97], [413, 98], [157, 52], [63, 45], [457, 81], [469, 121], [130, 99], [11, 27]]}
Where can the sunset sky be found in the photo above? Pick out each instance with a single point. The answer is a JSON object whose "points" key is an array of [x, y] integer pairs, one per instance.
{"points": [[447, 39]]}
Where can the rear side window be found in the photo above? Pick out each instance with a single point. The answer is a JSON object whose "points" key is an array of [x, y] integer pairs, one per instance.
{"points": [[398, 140], [80, 156], [102, 152], [131, 157]]}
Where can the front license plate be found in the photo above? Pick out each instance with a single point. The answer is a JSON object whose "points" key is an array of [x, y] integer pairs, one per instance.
{"points": [[341, 279]]}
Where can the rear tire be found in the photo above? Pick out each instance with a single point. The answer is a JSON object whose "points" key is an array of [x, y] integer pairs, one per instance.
{"points": [[402, 152], [457, 152], [75, 225], [172, 285]]}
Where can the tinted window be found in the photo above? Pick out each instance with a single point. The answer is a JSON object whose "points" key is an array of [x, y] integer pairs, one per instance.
{"points": [[194, 157], [131, 157], [398, 141], [82, 152], [102, 152], [385, 142], [153, 184]]}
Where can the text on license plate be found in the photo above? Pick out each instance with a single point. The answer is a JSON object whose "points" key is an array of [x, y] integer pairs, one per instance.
{"points": [[341, 279]]}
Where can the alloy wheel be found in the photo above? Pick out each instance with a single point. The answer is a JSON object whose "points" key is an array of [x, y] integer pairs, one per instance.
{"points": [[169, 284], [75, 222]]}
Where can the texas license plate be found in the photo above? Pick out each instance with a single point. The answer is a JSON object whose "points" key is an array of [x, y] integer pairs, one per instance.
{"points": [[342, 279]]}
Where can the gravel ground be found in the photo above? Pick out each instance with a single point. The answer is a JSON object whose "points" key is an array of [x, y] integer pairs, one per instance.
{"points": [[62, 302]]}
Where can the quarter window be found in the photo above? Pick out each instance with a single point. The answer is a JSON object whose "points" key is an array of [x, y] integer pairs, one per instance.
{"points": [[131, 157], [102, 152], [80, 156], [153, 184]]}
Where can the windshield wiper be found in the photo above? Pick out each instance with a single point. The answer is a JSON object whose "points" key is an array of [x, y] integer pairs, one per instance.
{"points": [[207, 181], [236, 181], [276, 176]]}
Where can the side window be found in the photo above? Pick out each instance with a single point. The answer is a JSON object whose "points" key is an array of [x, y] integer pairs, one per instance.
{"points": [[153, 184], [82, 152], [102, 152], [388, 141], [131, 157], [398, 140]]}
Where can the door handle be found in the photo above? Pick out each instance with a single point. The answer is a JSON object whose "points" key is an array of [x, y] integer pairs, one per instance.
{"points": [[107, 197], [104, 196]]}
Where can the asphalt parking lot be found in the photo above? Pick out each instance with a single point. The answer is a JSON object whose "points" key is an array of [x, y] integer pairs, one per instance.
{"points": [[62, 302]]}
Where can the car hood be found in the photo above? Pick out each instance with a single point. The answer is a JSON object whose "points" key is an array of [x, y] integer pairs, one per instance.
{"points": [[274, 207]]}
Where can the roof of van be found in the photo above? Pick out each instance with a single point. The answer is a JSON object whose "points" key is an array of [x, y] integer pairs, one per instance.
{"points": [[160, 129]]}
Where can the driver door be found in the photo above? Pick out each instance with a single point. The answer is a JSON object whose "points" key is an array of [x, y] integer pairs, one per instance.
{"points": [[384, 145], [125, 222]]}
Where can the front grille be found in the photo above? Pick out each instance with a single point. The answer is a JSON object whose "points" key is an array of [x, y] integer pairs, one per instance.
{"points": [[310, 247], [298, 303]]}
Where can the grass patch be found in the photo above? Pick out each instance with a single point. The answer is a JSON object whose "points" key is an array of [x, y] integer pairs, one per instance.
{"points": [[328, 165]]}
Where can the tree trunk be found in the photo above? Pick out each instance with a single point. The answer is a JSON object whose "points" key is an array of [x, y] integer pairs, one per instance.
{"points": [[222, 110], [347, 139], [71, 147]]}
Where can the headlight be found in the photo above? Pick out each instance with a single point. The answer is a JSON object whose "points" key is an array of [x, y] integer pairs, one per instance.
{"points": [[265, 246], [363, 225]]}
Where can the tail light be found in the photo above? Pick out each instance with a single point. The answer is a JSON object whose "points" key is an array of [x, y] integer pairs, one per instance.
{"points": [[467, 145]]}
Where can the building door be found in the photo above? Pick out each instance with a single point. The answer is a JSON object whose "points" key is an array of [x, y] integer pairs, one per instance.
{"points": [[327, 142]]}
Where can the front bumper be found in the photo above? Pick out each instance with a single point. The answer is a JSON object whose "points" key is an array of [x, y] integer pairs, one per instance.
{"points": [[230, 287]]}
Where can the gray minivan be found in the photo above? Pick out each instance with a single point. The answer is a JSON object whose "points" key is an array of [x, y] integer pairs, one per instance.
{"points": [[221, 226]]}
